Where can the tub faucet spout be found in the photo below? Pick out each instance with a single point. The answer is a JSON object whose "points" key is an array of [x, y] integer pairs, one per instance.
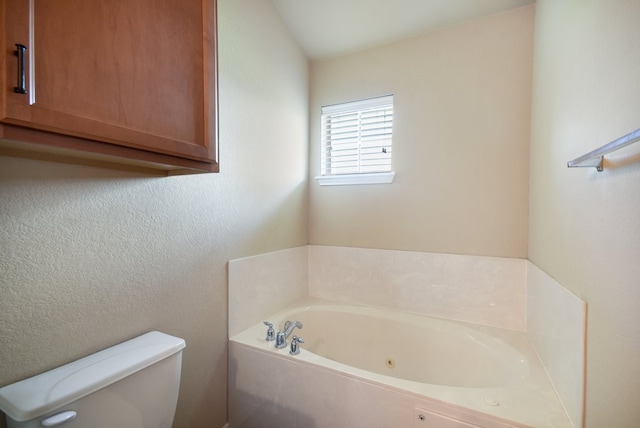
{"points": [[282, 336], [289, 326]]}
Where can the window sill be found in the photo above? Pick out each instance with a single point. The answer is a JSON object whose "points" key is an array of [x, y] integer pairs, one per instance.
{"points": [[350, 179]]}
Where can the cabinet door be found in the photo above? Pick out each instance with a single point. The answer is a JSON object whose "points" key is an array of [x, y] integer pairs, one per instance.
{"points": [[134, 73]]}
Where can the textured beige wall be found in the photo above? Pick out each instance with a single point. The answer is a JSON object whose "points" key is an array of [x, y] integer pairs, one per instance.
{"points": [[585, 225], [91, 257], [460, 145]]}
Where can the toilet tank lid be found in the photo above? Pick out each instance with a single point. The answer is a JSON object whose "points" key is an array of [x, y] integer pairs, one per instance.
{"points": [[40, 394]]}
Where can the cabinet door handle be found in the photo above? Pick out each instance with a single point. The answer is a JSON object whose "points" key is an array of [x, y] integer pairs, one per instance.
{"points": [[22, 86]]}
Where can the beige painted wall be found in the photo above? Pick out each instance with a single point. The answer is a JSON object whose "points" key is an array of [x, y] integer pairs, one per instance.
{"points": [[91, 257], [585, 225], [460, 145]]}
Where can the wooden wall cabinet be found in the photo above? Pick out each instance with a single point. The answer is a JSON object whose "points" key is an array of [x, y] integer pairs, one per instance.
{"points": [[126, 82]]}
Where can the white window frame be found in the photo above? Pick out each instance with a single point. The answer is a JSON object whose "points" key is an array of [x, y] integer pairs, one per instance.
{"points": [[385, 175]]}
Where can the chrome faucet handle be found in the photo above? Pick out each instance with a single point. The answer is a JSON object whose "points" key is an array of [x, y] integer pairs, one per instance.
{"points": [[271, 333], [295, 348]]}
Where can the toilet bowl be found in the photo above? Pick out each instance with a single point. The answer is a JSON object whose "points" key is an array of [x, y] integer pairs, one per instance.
{"points": [[133, 384]]}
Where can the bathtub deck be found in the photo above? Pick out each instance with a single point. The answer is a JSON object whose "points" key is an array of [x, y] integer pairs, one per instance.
{"points": [[307, 390]]}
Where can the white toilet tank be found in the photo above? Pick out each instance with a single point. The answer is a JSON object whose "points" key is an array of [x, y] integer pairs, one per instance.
{"points": [[130, 385]]}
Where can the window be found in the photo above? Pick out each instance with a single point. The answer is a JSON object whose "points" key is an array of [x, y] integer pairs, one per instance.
{"points": [[356, 142]]}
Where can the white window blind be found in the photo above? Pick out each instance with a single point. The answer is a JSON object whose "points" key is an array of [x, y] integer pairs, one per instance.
{"points": [[356, 137]]}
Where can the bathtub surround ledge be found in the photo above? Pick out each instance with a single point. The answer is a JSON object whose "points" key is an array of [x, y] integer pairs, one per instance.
{"points": [[556, 326], [476, 289], [264, 284]]}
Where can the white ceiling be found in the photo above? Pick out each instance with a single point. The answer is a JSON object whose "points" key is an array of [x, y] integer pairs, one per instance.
{"points": [[328, 28]]}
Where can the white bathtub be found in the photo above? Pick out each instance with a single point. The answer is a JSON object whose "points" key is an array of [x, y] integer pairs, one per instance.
{"points": [[368, 367]]}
